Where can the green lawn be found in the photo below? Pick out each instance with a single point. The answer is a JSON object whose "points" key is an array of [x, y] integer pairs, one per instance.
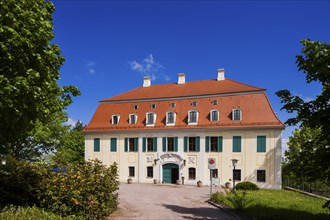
{"points": [[283, 204]]}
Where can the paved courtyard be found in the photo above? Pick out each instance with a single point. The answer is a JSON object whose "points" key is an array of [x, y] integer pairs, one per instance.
{"points": [[149, 201]]}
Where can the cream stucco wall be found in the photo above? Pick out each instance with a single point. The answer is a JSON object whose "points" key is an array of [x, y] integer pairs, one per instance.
{"points": [[249, 159]]}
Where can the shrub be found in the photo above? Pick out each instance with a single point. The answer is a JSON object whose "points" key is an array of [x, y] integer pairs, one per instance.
{"points": [[246, 186], [218, 197], [87, 189], [239, 200]]}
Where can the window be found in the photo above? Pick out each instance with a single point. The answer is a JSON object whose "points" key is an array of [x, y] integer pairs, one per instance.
{"points": [[191, 144], [237, 144], [192, 117], [213, 144], [237, 174], [96, 144], [172, 105], [135, 107], [149, 144], [261, 144], [131, 144], [192, 173], [131, 171], [153, 106], [115, 119], [261, 175], [214, 173], [170, 144], [151, 118], [113, 144], [194, 103], [214, 102], [237, 115], [132, 119], [214, 115], [170, 118], [150, 172]]}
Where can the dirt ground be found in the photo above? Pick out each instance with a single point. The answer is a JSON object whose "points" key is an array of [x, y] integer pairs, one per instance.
{"points": [[150, 201]]}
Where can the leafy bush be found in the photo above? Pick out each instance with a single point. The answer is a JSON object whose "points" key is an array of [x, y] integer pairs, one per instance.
{"points": [[238, 199], [87, 189], [218, 197], [246, 186]]}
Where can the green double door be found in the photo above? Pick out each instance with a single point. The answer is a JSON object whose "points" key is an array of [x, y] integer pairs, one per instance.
{"points": [[170, 173]]}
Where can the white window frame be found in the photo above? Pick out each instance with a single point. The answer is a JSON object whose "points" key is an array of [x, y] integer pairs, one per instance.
{"points": [[112, 119], [211, 115], [167, 117], [240, 114], [148, 123], [189, 117], [130, 119]]}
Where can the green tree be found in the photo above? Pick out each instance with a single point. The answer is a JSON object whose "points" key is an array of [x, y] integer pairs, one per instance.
{"points": [[310, 147], [71, 148], [29, 69]]}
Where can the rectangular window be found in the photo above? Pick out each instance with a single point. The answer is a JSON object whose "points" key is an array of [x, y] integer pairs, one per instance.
{"points": [[131, 171], [214, 116], [237, 115], [150, 172], [133, 119], [113, 144], [96, 144], [131, 143], [170, 144], [193, 116], [261, 144], [261, 175], [150, 118], [237, 144], [237, 174], [192, 173], [214, 173], [214, 144], [192, 144], [170, 118], [150, 144], [115, 119]]}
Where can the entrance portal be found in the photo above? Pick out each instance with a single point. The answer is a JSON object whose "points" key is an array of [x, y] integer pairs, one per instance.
{"points": [[170, 173]]}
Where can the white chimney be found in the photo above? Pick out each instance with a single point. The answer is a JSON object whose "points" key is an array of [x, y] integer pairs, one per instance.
{"points": [[146, 81], [181, 78], [221, 74]]}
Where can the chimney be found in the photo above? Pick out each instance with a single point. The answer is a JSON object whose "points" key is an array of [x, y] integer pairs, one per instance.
{"points": [[181, 78], [221, 74], [146, 81]]}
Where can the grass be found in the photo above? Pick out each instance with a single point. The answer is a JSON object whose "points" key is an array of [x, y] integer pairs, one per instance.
{"points": [[282, 204]]}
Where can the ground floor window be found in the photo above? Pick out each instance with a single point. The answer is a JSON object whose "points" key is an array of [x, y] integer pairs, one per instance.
{"points": [[214, 173], [192, 173], [131, 171], [261, 175], [150, 172], [237, 174]]}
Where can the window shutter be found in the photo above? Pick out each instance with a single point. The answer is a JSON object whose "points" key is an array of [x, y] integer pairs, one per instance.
{"points": [[207, 144], [136, 144], [113, 144], [197, 143], [155, 144], [220, 144], [237, 144], [261, 143], [96, 144], [164, 144], [144, 144], [185, 144], [176, 144], [126, 144]]}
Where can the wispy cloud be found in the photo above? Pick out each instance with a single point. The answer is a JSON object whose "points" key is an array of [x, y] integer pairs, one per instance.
{"points": [[90, 65], [149, 67], [72, 122]]}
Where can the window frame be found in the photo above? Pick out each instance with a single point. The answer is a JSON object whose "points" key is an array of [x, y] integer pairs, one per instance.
{"points": [[169, 123], [150, 144], [172, 142], [131, 169], [148, 123], [190, 117], [97, 145], [212, 116], [150, 170], [237, 173], [113, 119], [131, 145], [212, 144], [192, 146], [234, 114], [135, 119], [113, 144], [192, 173], [234, 147], [263, 177], [261, 148]]}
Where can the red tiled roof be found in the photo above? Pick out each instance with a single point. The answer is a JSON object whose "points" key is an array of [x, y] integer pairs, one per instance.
{"points": [[256, 109], [174, 90]]}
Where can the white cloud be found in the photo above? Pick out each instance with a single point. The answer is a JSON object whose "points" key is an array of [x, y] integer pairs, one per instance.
{"points": [[285, 146], [71, 122], [149, 67], [90, 65]]}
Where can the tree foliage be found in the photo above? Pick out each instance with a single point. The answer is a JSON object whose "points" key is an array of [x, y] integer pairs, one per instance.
{"points": [[29, 69], [309, 149]]}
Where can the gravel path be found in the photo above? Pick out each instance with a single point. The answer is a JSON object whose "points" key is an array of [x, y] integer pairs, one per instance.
{"points": [[149, 201]]}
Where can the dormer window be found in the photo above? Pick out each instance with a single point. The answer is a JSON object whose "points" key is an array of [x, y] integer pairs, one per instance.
{"points": [[192, 117], [150, 119], [214, 102], [214, 115], [115, 119], [153, 106], [237, 114], [170, 118], [194, 103], [132, 118]]}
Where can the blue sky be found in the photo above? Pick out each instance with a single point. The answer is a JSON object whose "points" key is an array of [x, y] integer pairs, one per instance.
{"points": [[110, 45]]}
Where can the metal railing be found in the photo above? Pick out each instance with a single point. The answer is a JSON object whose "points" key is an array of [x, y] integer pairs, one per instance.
{"points": [[313, 188]]}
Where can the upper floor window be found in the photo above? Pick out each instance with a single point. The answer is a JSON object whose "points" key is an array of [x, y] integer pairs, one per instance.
{"points": [[261, 144], [115, 119], [170, 118], [214, 115], [237, 114], [153, 106], [135, 107], [214, 102], [151, 119], [96, 144], [191, 144], [192, 117], [172, 105], [170, 144], [131, 145], [194, 103], [132, 119], [149, 144]]}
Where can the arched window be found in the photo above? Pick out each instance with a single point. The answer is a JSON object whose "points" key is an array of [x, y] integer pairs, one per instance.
{"points": [[214, 115], [132, 119], [192, 117], [237, 114], [115, 119]]}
